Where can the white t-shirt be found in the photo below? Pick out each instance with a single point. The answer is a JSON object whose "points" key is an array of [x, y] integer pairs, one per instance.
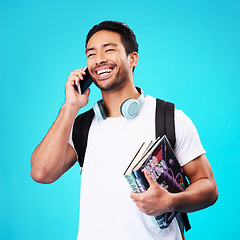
{"points": [[106, 209]]}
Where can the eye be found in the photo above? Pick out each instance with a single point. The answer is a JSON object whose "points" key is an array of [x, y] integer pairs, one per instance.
{"points": [[90, 55], [110, 50]]}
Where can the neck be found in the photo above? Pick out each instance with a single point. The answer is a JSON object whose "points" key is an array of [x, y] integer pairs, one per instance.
{"points": [[114, 99]]}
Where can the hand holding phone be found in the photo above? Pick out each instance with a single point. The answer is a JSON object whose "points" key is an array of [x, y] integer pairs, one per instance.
{"points": [[85, 83], [73, 96]]}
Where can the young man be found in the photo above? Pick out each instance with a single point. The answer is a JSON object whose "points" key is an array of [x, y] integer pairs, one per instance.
{"points": [[106, 209]]}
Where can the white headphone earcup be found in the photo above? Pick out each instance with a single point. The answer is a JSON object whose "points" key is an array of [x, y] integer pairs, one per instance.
{"points": [[130, 108], [99, 111]]}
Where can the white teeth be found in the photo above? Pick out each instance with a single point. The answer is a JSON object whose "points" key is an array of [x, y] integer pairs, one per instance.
{"points": [[104, 71]]}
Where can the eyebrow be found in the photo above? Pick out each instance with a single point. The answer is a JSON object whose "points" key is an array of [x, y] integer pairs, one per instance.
{"points": [[104, 45]]}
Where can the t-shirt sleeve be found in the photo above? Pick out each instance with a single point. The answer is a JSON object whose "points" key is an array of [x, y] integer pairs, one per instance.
{"points": [[70, 141], [188, 145]]}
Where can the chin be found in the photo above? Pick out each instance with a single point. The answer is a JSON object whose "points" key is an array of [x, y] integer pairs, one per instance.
{"points": [[105, 84], [112, 83]]}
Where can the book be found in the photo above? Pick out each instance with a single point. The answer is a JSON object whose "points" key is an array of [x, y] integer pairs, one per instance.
{"points": [[159, 160], [129, 174]]}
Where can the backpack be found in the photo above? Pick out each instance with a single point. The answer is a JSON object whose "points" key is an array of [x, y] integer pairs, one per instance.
{"points": [[164, 125]]}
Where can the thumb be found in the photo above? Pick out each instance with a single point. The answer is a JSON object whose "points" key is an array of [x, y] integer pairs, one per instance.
{"points": [[149, 178], [87, 92]]}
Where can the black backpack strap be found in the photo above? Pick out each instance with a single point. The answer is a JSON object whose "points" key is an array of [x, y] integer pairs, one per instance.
{"points": [[80, 133], [165, 120], [165, 125], [170, 123]]}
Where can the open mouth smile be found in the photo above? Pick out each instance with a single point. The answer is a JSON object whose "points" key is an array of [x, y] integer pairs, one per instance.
{"points": [[103, 73]]}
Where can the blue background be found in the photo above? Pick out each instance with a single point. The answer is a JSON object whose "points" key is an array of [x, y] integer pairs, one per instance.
{"points": [[189, 54]]}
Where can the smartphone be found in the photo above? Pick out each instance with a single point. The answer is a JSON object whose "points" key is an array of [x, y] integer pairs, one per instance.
{"points": [[85, 83]]}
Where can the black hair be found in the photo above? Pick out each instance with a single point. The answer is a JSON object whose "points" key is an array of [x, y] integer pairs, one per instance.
{"points": [[127, 36]]}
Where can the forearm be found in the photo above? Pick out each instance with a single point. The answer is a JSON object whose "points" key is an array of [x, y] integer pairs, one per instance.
{"points": [[49, 158], [201, 193], [198, 195]]}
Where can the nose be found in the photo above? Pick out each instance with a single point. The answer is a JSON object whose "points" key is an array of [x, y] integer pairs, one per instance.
{"points": [[100, 59]]}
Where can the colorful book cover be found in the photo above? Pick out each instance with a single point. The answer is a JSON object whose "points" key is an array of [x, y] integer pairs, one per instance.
{"points": [[164, 167], [162, 164]]}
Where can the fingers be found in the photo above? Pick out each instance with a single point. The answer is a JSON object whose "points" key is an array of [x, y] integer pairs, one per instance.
{"points": [[152, 183], [142, 201], [155, 201], [72, 97], [134, 196], [149, 178], [87, 92], [76, 76]]}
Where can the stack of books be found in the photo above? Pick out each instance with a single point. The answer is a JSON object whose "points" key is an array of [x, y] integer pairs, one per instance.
{"points": [[158, 158]]}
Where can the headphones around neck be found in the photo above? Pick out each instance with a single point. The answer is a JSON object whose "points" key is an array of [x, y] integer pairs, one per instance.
{"points": [[129, 108]]}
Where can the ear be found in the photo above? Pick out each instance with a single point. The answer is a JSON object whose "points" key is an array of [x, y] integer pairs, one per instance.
{"points": [[133, 59]]}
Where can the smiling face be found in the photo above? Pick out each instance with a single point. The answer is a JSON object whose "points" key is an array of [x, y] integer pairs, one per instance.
{"points": [[108, 64]]}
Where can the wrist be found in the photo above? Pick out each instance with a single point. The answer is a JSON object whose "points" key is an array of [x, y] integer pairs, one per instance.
{"points": [[70, 109], [177, 200], [172, 202]]}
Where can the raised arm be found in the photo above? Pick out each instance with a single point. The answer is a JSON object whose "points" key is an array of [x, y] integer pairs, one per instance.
{"points": [[54, 156]]}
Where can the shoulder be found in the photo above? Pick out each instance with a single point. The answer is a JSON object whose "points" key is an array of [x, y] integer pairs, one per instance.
{"points": [[181, 117], [83, 120], [184, 126], [88, 114], [149, 99], [188, 145]]}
